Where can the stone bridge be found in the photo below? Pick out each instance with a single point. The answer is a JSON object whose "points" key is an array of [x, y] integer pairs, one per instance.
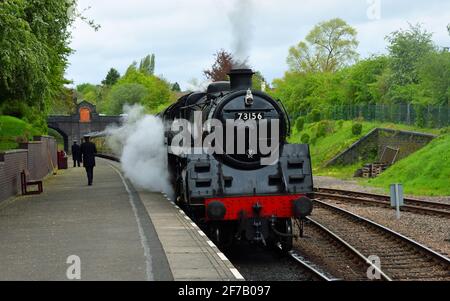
{"points": [[86, 120]]}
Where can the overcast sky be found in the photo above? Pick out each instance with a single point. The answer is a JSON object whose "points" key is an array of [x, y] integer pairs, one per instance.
{"points": [[184, 34]]}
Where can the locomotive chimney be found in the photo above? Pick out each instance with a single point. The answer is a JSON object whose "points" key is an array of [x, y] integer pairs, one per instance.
{"points": [[241, 79]]}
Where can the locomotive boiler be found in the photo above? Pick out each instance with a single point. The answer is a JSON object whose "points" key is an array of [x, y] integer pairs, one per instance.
{"points": [[242, 192]]}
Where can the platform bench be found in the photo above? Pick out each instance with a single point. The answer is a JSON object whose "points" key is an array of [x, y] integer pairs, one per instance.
{"points": [[25, 182]]}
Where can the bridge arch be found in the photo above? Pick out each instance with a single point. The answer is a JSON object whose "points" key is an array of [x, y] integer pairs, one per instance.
{"points": [[84, 120], [63, 134]]}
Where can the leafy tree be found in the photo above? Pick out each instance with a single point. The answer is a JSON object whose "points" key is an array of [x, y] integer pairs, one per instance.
{"points": [[88, 92], [434, 75], [222, 66], [127, 93], [361, 78], [176, 87], [407, 48], [66, 103], [132, 68], [158, 91], [147, 65], [329, 46], [34, 51], [258, 80], [111, 78]]}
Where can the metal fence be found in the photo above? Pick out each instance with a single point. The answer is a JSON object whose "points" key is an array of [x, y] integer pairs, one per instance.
{"points": [[419, 115]]}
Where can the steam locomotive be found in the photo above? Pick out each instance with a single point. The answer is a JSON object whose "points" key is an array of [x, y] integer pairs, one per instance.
{"points": [[230, 193]]}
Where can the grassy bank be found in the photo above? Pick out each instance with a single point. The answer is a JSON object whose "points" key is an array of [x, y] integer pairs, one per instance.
{"points": [[426, 172], [13, 131], [336, 138]]}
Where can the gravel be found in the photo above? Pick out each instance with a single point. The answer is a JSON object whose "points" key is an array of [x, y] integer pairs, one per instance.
{"points": [[328, 182], [261, 264], [330, 256], [431, 231]]}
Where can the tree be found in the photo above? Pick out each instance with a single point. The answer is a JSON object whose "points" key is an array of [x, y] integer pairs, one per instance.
{"points": [[361, 78], [147, 65], [34, 50], [329, 47], [434, 74], [111, 78], [158, 89], [88, 92], [176, 87], [222, 66], [126, 93], [407, 48], [258, 79]]}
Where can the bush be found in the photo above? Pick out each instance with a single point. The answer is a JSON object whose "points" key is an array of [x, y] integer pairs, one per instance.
{"points": [[324, 128], [420, 116], [305, 139], [300, 124], [314, 116], [357, 129], [444, 131], [340, 124]]}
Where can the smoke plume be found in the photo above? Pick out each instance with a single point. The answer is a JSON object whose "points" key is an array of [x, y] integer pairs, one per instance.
{"points": [[242, 29], [140, 144]]}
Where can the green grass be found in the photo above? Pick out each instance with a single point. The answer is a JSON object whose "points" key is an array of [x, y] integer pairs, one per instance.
{"points": [[426, 172], [338, 138], [13, 131]]}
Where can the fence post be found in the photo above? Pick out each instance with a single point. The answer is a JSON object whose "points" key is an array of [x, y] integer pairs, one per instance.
{"points": [[408, 114], [439, 117]]}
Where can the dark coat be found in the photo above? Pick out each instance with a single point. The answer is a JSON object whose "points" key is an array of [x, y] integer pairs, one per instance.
{"points": [[88, 150], [76, 152]]}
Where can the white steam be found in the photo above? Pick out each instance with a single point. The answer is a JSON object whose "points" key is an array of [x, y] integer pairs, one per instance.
{"points": [[140, 144], [241, 18]]}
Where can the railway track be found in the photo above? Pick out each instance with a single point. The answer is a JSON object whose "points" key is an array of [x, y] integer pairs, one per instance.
{"points": [[400, 257], [267, 264], [322, 246], [316, 270], [411, 205]]}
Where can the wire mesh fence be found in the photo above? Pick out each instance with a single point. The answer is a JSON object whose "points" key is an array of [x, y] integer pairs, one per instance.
{"points": [[418, 115]]}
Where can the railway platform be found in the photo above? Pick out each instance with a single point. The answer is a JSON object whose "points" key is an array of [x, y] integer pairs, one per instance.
{"points": [[109, 231]]}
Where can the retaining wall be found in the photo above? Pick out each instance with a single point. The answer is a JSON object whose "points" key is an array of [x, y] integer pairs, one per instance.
{"points": [[371, 146], [38, 156]]}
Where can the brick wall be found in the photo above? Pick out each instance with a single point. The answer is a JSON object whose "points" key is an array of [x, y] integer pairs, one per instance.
{"points": [[11, 164], [38, 156]]}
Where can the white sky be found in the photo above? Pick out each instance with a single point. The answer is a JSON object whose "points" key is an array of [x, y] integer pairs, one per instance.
{"points": [[184, 34]]}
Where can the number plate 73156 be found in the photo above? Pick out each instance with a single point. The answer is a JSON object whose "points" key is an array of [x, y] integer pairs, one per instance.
{"points": [[249, 116]]}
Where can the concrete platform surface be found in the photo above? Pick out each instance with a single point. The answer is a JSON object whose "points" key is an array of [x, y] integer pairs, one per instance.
{"points": [[191, 255], [108, 231]]}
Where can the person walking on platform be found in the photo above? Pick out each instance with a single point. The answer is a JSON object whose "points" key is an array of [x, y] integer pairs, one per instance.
{"points": [[88, 150], [76, 154]]}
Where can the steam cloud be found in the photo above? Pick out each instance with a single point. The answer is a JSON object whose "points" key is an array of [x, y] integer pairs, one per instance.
{"points": [[242, 31], [140, 144]]}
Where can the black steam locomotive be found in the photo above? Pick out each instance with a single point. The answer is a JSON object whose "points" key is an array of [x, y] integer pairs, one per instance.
{"points": [[231, 193]]}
